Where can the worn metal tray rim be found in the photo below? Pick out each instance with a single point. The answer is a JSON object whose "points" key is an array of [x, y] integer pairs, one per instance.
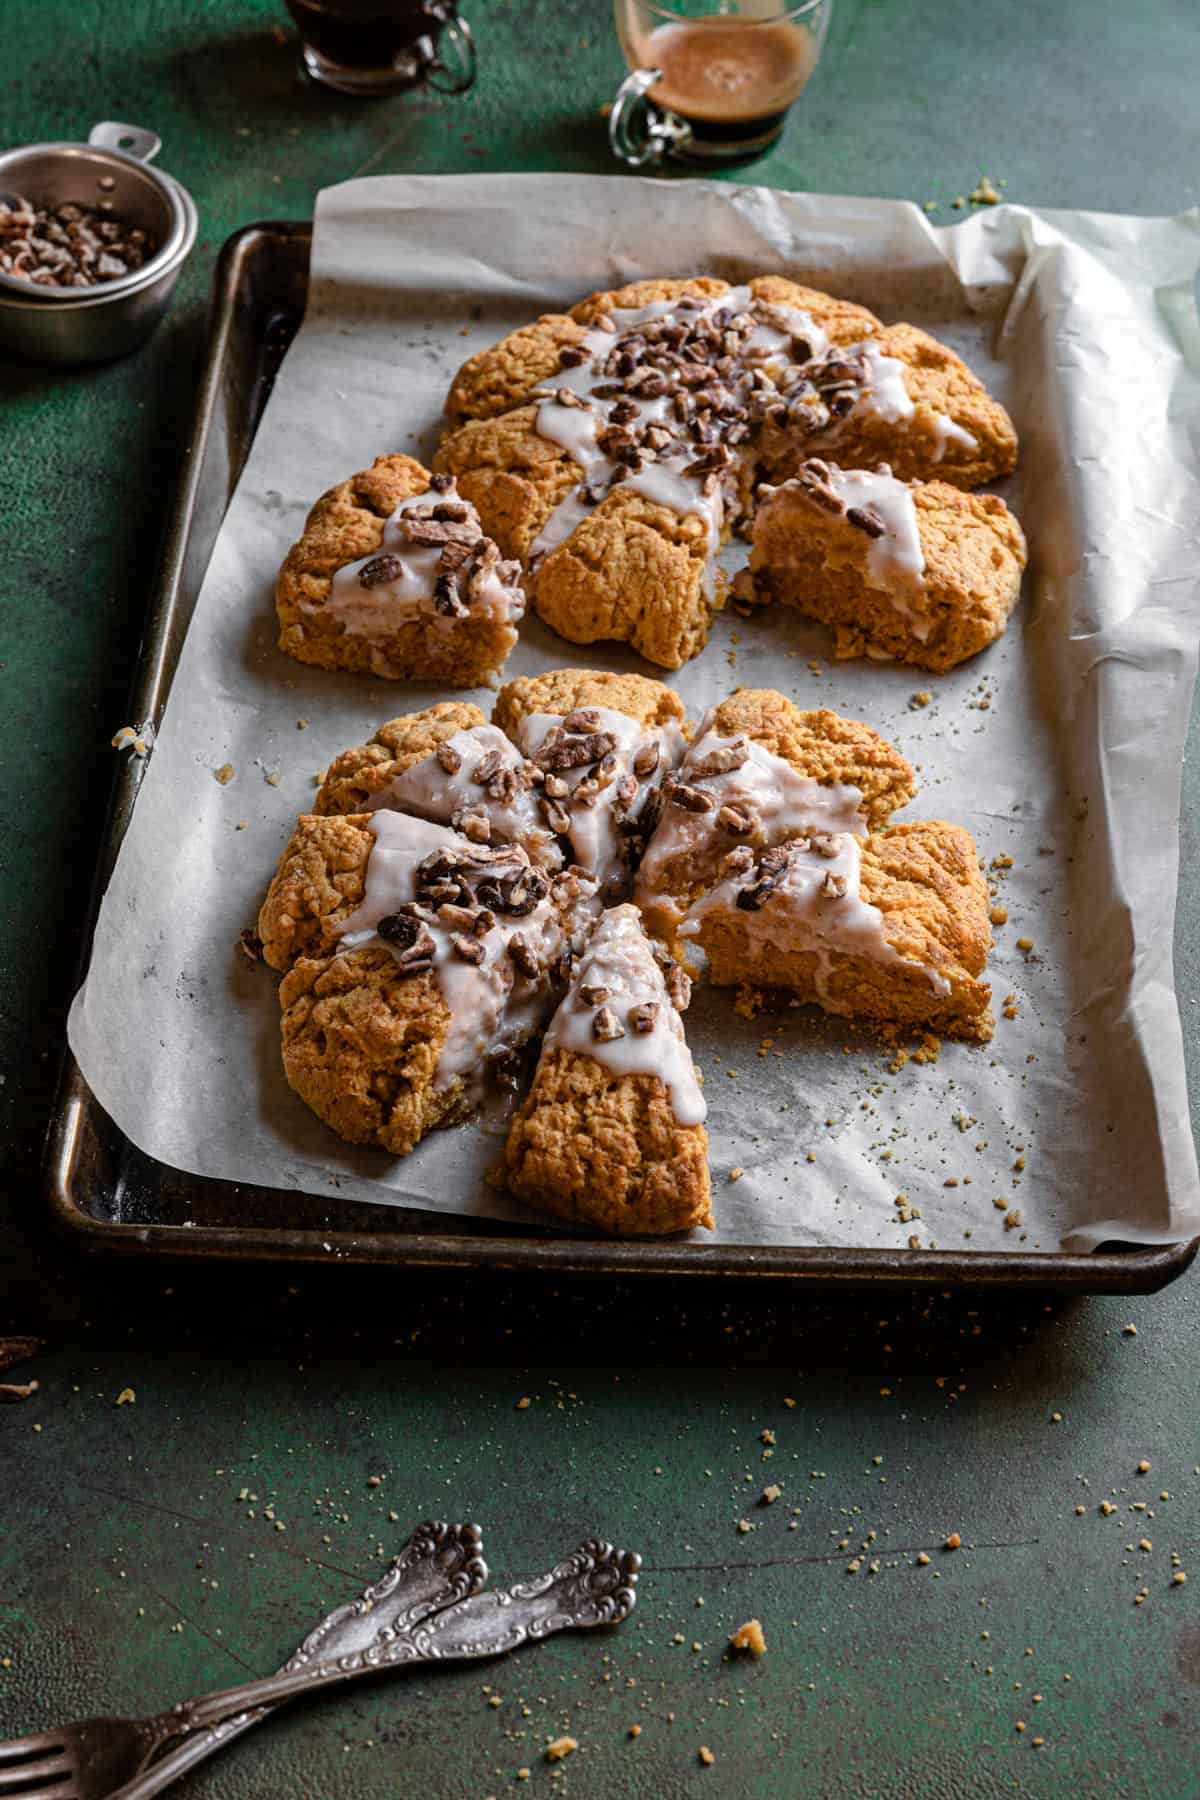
{"points": [[1142, 1269]]}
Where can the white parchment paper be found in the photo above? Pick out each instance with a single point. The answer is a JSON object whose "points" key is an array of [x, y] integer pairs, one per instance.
{"points": [[1061, 747]]}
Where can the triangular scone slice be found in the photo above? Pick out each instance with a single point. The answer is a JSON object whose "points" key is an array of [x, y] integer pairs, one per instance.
{"points": [[601, 744], [891, 927], [612, 1132], [436, 957], [898, 397], [395, 574], [914, 572], [450, 765], [758, 772]]}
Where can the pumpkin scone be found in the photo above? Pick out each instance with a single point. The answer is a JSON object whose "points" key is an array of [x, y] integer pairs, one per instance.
{"points": [[395, 575], [612, 1132], [893, 927], [900, 397], [417, 961], [759, 772], [599, 746], [915, 572]]}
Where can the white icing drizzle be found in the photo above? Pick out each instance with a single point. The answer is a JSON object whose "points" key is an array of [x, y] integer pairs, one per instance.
{"points": [[885, 393], [801, 914], [619, 962], [895, 561], [783, 802], [377, 612], [947, 431], [594, 835], [431, 791], [492, 1006]]}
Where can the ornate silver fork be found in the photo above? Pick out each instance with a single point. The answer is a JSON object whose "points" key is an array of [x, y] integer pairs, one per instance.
{"points": [[595, 1585], [439, 1564]]}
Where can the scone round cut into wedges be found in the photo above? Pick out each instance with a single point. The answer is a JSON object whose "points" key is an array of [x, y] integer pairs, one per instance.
{"points": [[916, 572], [614, 476], [480, 931], [759, 772], [893, 927], [395, 575], [612, 1132]]}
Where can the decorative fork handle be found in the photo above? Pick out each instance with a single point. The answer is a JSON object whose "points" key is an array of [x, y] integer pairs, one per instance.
{"points": [[439, 1565], [595, 1585]]}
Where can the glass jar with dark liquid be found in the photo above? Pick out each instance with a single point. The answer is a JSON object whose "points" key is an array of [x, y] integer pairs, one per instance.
{"points": [[712, 80], [385, 46]]}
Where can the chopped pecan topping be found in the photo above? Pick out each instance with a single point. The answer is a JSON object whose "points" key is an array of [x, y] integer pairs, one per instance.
{"points": [[823, 843], [737, 819], [834, 886], [646, 760], [679, 987], [583, 720], [379, 570], [446, 598], [738, 862], [577, 753], [487, 766], [690, 799], [556, 815], [867, 519], [592, 994], [643, 1017], [722, 759], [449, 758], [440, 484], [606, 1026], [400, 929], [469, 948], [524, 959]]}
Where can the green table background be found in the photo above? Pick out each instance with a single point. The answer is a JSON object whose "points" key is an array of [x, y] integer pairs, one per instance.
{"points": [[130, 1572]]}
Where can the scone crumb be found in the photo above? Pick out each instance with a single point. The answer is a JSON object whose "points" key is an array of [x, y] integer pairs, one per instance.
{"points": [[986, 194], [1024, 943], [736, 1174], [224, 774], [750, 1637], [635, 1731], [953, 1542], [523, 1403], [920, 699], [272, 777], [126, 1397], [922, 1559], [999, 915], [706, 1756], [559, 1747], [771, 1494]]}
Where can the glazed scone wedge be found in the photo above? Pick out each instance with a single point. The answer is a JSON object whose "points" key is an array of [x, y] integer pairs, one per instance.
{"points": [[506, 374], [634, 563], [415, 960], [900, 397], [612, 1132], [395, 575], [893, 927], [912, 572], [450, 765], [599, 745], [758, 772]]}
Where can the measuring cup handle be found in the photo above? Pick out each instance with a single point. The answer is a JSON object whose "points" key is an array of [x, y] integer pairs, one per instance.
{"points": [[134, 140], [638, 131], [457, 34]]}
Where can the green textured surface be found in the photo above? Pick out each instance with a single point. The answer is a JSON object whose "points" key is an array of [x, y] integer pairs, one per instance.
{"points": [[121, 1524]]}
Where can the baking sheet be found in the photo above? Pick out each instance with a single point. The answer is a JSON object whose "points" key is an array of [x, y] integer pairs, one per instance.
{"points": [[1076, 1115]]}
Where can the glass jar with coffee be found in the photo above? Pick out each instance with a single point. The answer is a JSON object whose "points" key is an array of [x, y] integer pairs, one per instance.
{"points": [[370, 47], [711, 80]]}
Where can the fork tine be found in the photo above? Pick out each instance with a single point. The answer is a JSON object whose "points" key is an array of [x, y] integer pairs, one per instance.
{"points": [[11, 1748], [49, 1773]]}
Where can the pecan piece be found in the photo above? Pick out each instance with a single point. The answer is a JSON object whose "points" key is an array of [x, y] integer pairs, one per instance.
{"points": [[691, 799], [722, 759], [606, 1026], [449, 758], [469, 948], [643, 1017], [379, 570], [524, 959], [593, 994]]}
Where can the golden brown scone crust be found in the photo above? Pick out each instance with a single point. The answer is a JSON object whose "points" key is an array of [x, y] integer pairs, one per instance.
{"points": [[824, 745], [633, 571], [361, 1043], [925, 880], [974, 558], [563, 690], [504, 375], [938, 381], [320, 880], [602, 1149], [345, 524], [354, 778]]}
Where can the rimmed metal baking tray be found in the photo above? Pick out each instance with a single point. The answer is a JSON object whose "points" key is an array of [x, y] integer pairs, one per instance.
{"points": [[110, 1197]]}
